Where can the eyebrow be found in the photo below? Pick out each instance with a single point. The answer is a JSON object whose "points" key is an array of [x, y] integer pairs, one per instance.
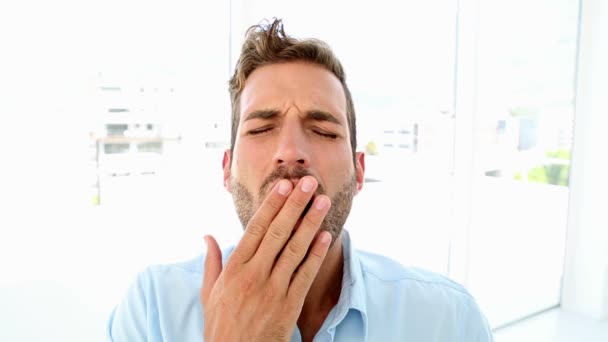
{"points": [[317, 115], [264, 114]]}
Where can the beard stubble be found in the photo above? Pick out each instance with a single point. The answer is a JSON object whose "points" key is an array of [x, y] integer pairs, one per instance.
{"points": [[247, 204]]}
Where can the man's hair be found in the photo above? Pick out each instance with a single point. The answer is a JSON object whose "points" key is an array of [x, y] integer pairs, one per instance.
{"points": [[268, 44]]}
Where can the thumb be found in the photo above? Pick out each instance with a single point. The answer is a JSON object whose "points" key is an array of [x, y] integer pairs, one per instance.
{"points": [[213, 267]]}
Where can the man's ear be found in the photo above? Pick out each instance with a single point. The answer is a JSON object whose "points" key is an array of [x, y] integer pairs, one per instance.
{"points": [[360, 169], [226, 162]]}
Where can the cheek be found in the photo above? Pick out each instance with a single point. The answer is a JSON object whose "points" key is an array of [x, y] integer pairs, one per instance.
{"points": [[249, 164], [339, 156], [335, 165]]}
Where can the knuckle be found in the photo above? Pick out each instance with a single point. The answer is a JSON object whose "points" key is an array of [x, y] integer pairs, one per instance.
{"points": [[316, 255], [277, 234], [247, 282], [271, 291], [297, 203], [233, 259], [293, 249], [307, 274], [255, 229], [311, 220], [231, 270], [302, 283], [275, 203]]}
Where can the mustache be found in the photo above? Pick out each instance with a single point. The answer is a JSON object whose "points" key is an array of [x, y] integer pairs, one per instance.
{"points": [[284, 172]]}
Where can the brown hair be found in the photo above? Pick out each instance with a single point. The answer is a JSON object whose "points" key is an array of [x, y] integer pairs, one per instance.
{"points": [[268, 44]]}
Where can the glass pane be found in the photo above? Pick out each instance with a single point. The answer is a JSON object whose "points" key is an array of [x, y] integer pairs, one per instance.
{"points": [[526, 68]]}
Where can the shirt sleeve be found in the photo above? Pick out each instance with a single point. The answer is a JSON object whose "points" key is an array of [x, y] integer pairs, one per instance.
{"points": [[128, 320], [476, 327]]}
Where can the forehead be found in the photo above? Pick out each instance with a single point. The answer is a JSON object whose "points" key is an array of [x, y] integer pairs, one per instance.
{"points": [[305, 85]]}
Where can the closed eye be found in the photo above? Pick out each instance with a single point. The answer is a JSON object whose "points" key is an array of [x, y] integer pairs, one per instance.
{"points": [[330, 136], [260, 130]]}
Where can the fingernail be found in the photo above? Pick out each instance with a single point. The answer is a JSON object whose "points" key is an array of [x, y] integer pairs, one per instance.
{"points": [[322, 203], [284, 187], [307, 184], [325, 237]]}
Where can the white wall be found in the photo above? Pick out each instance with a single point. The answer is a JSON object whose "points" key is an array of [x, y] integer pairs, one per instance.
{"points": [[585, 287]]}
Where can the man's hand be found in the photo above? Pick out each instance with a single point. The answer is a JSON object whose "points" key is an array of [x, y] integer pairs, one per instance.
{"points": [[259, 293]]}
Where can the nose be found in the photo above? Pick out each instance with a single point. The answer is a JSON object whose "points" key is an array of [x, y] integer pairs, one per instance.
{"points": [[292, 149]]}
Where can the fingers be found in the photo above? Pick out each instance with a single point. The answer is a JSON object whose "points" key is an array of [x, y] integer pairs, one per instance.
{"points": [[283, 224], [296, 248], [213, 267], [258, 225], [306, 273]]}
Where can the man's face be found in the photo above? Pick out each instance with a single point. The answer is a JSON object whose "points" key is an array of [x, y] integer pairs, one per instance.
{"points": [[293, 123]]}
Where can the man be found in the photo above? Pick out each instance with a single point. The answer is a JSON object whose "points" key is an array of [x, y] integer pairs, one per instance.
{"points": [[293, 171]]}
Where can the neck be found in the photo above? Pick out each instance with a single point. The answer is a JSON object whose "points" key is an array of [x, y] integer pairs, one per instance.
{"points": [[324, 292]]}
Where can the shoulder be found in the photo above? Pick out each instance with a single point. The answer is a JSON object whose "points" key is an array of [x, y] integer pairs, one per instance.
{"points": [[382, 269], [421, 302], [387, 283], [159, 294], [153, 285]]}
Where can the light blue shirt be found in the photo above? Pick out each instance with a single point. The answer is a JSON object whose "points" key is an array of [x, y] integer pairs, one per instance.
{"points": [[380, 301]]}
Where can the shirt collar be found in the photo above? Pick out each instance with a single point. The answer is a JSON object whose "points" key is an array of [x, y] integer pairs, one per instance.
{"points": [[352, 295]]}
